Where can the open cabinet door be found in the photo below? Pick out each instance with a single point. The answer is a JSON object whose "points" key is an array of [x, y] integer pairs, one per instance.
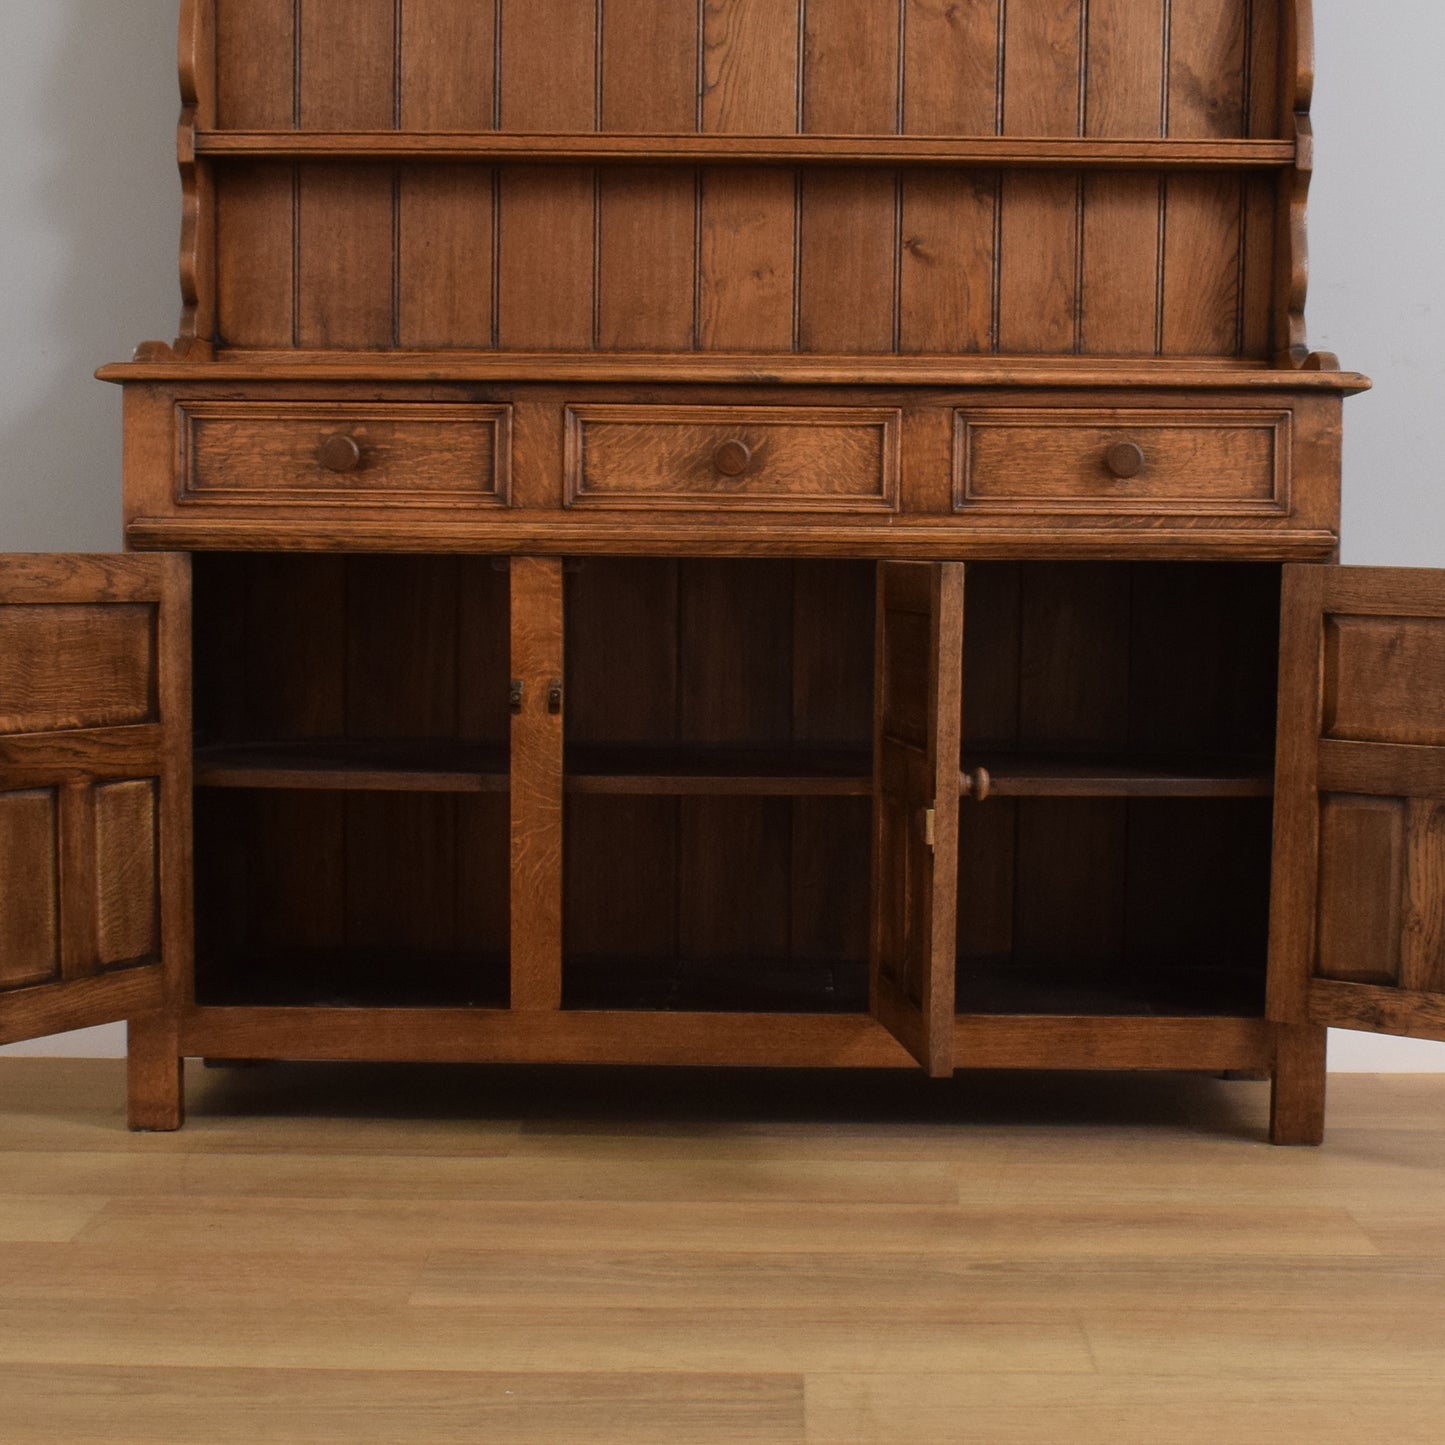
{"points": [[94, 788], [1357, 929], [917, 702]]}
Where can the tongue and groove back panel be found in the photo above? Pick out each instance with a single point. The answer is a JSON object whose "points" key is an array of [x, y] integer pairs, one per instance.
{"points": [[325, 254]]}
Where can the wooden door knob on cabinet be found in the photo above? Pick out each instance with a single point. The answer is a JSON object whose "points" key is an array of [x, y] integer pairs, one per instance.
{"points": [[732, 458], [340, 453], [1125, 459], [976, 784]]}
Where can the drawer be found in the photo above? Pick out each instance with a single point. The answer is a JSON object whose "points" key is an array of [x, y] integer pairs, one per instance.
{"points": [[1158, 460], [328, 452], [747, 458]]}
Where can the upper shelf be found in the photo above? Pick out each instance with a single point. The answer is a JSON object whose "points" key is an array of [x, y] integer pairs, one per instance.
{"points": [[157, 362], [599, 148]]}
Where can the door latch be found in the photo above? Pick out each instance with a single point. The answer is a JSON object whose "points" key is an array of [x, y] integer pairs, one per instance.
{"points": [[554, 697], [519, 689], [930, 825]]}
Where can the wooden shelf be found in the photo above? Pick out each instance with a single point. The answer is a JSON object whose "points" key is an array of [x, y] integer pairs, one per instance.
{"points": [[1131, 989], [682, 770], [1026, 775], [729, 986], [599, 148], [344, 766], [709, 368], [353, 978]]}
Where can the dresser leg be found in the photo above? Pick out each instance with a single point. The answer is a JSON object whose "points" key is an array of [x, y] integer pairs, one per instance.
{"points": [[155, 1075], [1297, 1099]]}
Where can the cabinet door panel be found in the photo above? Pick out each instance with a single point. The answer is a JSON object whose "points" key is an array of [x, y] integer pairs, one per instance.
{"points": [[94, 788], [1358, 924], [918, 701]]}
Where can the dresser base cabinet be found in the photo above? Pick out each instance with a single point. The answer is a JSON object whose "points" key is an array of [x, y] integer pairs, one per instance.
{"points": [[716, 811]]}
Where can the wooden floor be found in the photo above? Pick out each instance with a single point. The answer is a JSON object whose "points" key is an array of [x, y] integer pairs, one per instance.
{"points": [[498, 1256]]}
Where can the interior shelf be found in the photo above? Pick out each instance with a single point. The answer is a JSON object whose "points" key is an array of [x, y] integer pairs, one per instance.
{"points": [[1128, 990], [353, 978], [600, 148], [1043, 775], [684, 769], [350, 766], [733, 985]]}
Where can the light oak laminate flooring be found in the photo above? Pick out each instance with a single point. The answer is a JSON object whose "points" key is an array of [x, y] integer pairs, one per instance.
{"points": [[389, 1254]]}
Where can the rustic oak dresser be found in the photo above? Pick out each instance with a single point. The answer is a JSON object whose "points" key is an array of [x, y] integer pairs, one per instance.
{"points": [[755, 532]]}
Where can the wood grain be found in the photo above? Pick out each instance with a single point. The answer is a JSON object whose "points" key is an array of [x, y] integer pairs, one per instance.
{"points": [[30, 851], [919, 665], [76, 666], [601, 148], [417, 451], [127, 858], [346, 223], [446, 215], [1122, 214], [348, 65], [712, 1281], [650, 79], [647, 219], [255, 64], [647, 235], [746, 281], [951, 62], [946, 263], [255, 256], [838, 99], [448, 71], [1422, 964], [536, 864], [848, 262], [659, 457], [1362, 854], [750, 52], [549, 65], [1206, 67]]}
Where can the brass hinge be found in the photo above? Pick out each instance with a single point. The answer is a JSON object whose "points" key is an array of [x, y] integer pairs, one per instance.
{"points": [[930, 822]]}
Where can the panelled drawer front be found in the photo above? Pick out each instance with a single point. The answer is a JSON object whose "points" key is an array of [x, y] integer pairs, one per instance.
{"points": [[722, 458], [328, 452], [1217, 462]]}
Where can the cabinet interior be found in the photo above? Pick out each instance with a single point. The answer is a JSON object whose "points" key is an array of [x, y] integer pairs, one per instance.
{"points": [[351, 811], [352, 825], [720, 718], [1126, 714]]}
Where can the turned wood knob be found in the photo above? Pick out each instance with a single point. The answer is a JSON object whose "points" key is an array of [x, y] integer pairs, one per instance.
{"points": [[732, 458], [977, 784], [1125, 459], [340, 453]]}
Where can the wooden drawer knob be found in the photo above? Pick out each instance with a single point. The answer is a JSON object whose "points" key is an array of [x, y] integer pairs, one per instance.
{"points": [[732, 458], [1125, 459], [976, 784], [340, 453]]}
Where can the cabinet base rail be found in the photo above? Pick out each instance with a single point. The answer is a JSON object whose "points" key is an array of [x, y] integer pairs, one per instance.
{"points": [[719, 1040]]}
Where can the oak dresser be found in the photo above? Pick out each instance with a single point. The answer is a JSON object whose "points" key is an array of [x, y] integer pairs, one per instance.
{"points": [[748, 532]]}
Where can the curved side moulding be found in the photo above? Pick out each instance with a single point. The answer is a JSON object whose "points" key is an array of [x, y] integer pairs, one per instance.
{"points": [[197, 71], [1297, 57]]}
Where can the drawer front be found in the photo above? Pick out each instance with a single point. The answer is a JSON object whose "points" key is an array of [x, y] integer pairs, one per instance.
{"points": [[330, 452], [1214, 462], [746, 458]]}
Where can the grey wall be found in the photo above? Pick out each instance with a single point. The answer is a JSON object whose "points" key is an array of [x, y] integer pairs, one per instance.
{"points": [[88, 227]]}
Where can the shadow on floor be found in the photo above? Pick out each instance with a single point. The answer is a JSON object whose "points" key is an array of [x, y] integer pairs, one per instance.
{"points": [[661, 1099]]}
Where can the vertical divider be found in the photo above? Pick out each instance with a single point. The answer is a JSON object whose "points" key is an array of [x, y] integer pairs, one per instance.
{"points": [[536, 774]]}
